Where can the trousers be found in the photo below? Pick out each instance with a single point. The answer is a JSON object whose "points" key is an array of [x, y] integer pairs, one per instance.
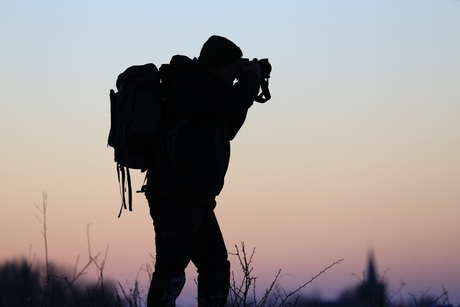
{"points": [[187, 230]]}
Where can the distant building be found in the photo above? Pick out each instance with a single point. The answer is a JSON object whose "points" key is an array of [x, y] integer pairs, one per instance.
{"points": [[370, 293]]}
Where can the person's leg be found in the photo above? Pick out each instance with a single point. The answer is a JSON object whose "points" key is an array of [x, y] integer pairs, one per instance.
{"points": [[211, 260], [165, 288], [176, 223]]}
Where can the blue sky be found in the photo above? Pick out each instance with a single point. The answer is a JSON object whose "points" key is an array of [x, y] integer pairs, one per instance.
{"points": [[357, 149]]}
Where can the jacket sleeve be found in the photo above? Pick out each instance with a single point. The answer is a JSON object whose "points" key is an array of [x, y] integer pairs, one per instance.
{"points": [[241, 99], [195, 97]]}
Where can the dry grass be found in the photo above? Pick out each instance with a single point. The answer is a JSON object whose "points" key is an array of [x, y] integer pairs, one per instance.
{"points": [[28, 283]]}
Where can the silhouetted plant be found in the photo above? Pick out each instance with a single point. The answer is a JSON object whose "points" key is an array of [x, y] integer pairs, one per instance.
{"points": [[244, 293], [427, 300], [42, 219], [25, 284]]}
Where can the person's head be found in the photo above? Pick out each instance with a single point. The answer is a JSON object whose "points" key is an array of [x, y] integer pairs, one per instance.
{"points": [[222, 57]]}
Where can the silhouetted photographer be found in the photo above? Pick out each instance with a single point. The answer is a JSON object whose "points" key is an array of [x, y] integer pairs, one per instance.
{"points": [[204, 109]]}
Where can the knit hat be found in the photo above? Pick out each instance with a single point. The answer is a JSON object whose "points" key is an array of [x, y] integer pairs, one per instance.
{"points": [[219, 51]]}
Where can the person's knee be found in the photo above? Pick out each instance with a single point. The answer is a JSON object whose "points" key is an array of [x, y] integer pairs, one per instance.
{"points": [[218, 272], [213, 267]]}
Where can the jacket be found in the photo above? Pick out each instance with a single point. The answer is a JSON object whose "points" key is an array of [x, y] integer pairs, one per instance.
{"points": [[201, 116]]}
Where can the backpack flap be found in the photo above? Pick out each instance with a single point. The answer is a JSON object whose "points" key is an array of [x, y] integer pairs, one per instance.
{"points": [[113, 119]]}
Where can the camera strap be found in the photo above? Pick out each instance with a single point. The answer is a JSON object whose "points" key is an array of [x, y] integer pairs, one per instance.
{"points": [[265, 95]]}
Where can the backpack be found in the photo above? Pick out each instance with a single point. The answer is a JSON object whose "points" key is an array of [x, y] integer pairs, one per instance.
{"points": [[135, 124]]}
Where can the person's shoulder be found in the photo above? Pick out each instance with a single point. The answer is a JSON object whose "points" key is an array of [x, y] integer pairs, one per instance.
{"points": [[178, 64]]}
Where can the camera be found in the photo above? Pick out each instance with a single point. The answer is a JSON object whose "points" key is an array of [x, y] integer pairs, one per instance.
{"points": [[265, 70], [265, 67]]}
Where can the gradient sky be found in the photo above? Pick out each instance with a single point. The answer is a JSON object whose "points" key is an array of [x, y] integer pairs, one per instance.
{"points": [[358, 149]]}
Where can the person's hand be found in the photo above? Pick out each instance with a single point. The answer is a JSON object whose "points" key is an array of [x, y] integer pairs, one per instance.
{"points": [[252, 67]]}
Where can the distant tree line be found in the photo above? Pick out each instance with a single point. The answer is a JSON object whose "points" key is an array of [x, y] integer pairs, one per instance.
{"points": [[22, 284]]}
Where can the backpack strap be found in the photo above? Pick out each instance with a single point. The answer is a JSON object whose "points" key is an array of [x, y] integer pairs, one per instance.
{"points": [[124, 181], [265, 95], [143, 188]]}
